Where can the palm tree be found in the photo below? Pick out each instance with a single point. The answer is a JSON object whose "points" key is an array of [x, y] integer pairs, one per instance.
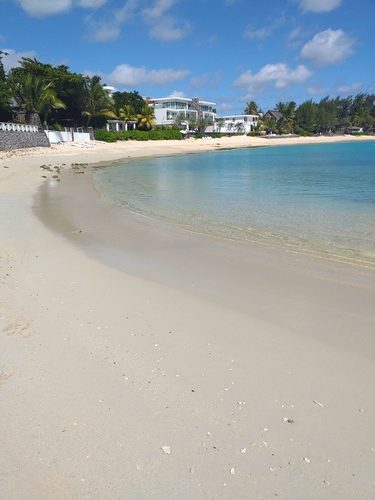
{"points": [[97, 101], [35, 98], [251, 108], [230, 126], [146, 119], [220, 123], [239, 127], [126, 114], [286, 124]]}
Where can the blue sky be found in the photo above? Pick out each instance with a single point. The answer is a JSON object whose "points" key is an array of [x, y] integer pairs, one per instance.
{"points": [[227, 51]]}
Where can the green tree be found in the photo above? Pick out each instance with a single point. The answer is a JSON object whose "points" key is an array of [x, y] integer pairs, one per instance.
{"points": [[5, 93], [97, 104], [146, 119], [286, 124], [126, 114], [251, 108], [306, 116], [35, 97], [362, 111], [192, 121], [203, 123], [220, 123], [326, 115], [239, 127], [344, 111], [70, 88], [133, 99], [180, 120]]}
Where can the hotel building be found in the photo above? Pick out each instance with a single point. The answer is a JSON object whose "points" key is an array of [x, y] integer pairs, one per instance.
{"points": [[168, 108], [236, 124]]}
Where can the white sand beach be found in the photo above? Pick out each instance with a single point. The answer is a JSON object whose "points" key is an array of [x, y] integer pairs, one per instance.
{"points": [[167, 364]]}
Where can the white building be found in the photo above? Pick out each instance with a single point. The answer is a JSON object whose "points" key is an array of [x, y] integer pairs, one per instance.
{"points": [[236, 124], [167, 109], [109, 89]]}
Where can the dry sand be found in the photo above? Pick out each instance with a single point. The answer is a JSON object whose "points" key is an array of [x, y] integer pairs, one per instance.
{"points": [[252, 366]]}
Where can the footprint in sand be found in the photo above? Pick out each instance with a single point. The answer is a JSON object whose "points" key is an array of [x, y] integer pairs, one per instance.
{"points": [[4, 377], [19, 328]]}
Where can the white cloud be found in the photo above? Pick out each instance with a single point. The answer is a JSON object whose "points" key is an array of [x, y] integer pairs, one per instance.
{"points": [[294, 37], [131, 76], [258, 34], [178, 93], [160, 7], [225, 106], [206, 80], [264, 31], [349, 89], [108, 30], [318, 90], [104, 32], [294, 34], [319, 5], [126, 11], [166, 29], [328, 47], [45, 8], [280, 74], [11, 60], [91, 4]]}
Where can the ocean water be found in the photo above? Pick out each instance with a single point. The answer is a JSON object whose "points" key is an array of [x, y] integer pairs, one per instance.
{"points": [[312, 198]]}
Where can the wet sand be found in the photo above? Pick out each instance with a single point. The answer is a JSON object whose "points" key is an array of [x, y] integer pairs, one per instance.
{"points": [[123, 339]]}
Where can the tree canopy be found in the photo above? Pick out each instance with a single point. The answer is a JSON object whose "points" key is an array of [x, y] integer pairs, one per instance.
{"points": [[5, 92], [328, 114], [132, 99]]}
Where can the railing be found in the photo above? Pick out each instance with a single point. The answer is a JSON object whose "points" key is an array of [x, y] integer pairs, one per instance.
{"points": [[18, 127]]}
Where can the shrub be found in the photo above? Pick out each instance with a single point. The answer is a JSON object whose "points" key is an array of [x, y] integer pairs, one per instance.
{"points": [[55, 126], [302, 132], [139, 135], [104, 135]]}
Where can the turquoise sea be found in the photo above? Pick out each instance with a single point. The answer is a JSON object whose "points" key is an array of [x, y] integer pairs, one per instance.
{"points": [[313, 198]]}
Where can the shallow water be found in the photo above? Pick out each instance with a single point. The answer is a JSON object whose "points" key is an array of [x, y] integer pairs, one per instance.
{"points": [[318, 198]]}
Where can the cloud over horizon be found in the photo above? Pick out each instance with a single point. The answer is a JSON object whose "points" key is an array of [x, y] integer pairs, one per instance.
{"points": [[12, 57], [45, 8], [131, 76], [319, 5], [108, 29], [279, 74], [328, 47], [163, 26], [167, 30]]}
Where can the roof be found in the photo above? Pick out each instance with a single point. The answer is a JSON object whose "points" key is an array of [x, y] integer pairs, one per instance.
{"points": [[231, 117], [275, 113], [180, 99]]}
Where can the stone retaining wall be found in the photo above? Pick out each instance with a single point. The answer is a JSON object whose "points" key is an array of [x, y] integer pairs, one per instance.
{"points": [[20, 140]]}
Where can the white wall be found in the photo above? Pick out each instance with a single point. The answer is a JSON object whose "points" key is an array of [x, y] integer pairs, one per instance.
{"points": [[55, 136], [229, 125], [161, 116], [81, 136]]}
